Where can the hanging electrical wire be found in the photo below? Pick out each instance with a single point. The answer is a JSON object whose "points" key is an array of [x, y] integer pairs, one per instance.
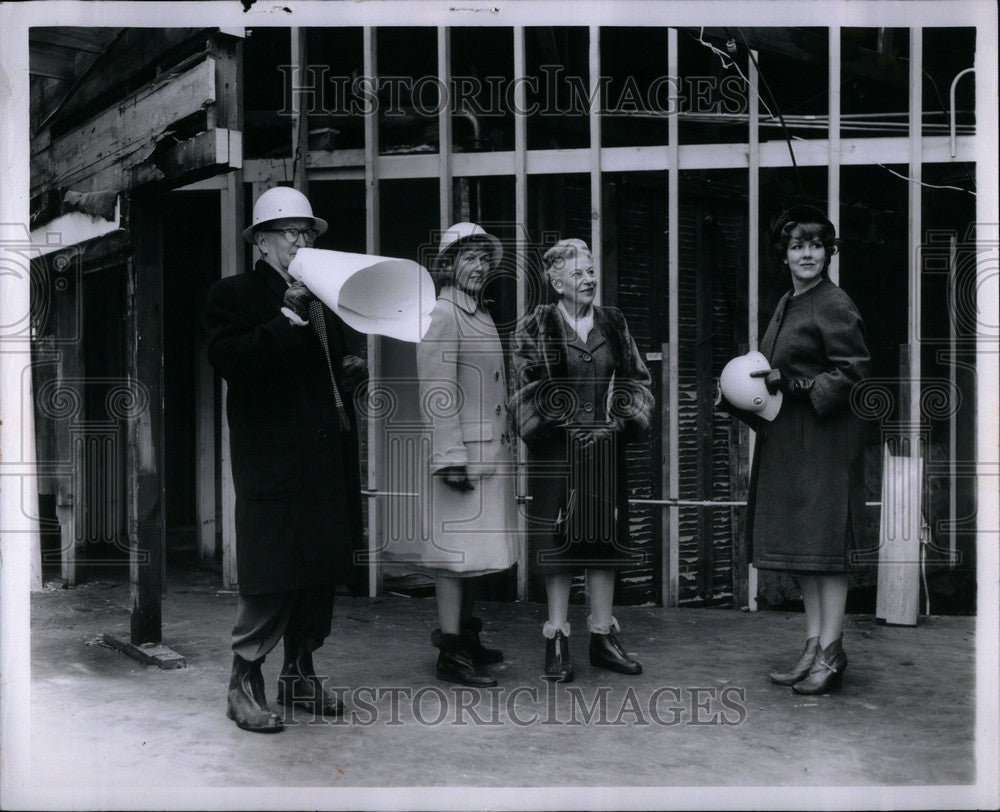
{"points": [[774, 100]]}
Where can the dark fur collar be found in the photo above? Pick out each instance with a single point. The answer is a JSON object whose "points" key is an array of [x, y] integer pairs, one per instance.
{"points": [[552, 332]]}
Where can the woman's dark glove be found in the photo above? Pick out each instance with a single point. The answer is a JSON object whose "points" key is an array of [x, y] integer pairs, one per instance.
{"points": [[792, 387], [457, 477]]}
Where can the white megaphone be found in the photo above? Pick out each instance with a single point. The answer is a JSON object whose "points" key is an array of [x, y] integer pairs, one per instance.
{"points": [[374, 295]]}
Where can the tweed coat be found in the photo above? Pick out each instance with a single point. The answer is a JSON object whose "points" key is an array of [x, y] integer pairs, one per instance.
{"points": [[806, 501], [296, 474], [578, 513], [463, 399]]}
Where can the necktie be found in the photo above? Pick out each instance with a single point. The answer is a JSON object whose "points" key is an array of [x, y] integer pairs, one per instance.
{"points": [[318, 322]]}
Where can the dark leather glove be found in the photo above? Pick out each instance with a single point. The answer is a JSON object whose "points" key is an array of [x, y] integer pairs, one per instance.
{"points": [[297, 299], [776, 382], [355, 371], [457, 477]]}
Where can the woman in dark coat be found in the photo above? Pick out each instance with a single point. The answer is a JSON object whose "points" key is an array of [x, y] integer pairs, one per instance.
{"points": [[583, 390], [807, 489]]}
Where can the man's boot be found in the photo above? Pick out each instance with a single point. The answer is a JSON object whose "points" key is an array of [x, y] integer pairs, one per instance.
{"points": [[246, 704], [298, 684]]}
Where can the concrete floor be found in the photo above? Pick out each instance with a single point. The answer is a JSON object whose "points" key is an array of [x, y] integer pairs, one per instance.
{"points": [[904, 716]]}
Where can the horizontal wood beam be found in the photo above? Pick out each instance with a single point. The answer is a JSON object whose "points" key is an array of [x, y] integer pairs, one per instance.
{"points": [[92, 40], [814, 152], [123, 136]]}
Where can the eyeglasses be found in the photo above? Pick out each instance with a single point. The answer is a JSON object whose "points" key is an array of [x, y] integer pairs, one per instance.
{"points": [[293, 234]]}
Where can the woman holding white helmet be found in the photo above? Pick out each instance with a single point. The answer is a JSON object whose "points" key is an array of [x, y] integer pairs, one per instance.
{"points": [[463, 395], [806, 502]]}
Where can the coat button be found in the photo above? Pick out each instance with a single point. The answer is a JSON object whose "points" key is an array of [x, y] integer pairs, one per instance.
{"points": [[322, 434], [587, 357], [588, 407], [496, 376], [499, 409]]}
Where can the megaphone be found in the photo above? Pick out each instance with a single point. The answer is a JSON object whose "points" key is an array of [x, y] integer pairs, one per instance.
{"points": [[374, 295]]}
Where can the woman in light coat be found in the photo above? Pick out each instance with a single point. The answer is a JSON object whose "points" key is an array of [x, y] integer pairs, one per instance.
{"points": [[583, 392], [470, 528]]}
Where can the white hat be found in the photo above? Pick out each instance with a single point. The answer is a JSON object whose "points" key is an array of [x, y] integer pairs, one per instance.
{"points": [[282, 203], [469, 231], [746, 393]]}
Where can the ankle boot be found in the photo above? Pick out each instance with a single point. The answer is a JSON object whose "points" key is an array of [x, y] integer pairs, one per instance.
{"points": [[481, 655], [298, 684], [557, 663], [478, 653], [801, 668], [245, 702], [606, 651], [826, 672], [455, 664]]}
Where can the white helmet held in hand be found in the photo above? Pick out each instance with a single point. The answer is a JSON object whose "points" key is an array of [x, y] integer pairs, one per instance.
{"points": [[282, 203], [746, 393]]}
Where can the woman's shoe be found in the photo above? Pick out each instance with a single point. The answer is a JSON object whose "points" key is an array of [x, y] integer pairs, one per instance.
{"points": [[481, 655], [826, 673], [801, 668], [607, 652], [557, 664], [455, 664]]}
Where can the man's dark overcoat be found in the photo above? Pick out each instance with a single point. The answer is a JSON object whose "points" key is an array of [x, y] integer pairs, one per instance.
{"points": [[296, 475], [806, 501]]}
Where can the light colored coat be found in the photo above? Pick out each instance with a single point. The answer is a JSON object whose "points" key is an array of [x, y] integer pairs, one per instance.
{"points": [[463, 398]]}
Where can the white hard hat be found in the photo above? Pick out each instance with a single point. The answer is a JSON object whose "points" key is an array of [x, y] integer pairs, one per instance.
{"points": [[282, 203], [746, 393], [469, 231]]}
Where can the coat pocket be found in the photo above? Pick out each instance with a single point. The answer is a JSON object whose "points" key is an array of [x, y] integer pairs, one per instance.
{"points": [[267, 465], [480, 447]]}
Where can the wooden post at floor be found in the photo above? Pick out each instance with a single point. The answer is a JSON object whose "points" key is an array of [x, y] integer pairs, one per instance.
{"points": [[232, 260], [705, 239], [69, 371], [147, 530], [227, 112]]}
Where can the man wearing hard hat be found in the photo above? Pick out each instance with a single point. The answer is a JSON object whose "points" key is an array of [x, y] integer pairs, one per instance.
{"points": [[294, 460]]}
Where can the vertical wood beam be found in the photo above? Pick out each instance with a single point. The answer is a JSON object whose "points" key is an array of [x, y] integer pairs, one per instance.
{"points": [[15, 298], [705, 409], [147, 530], [594, 119], [953, 416], [987, 384], [376, 433], [523, 240], [300, 115], [671, 364], [833, 139], [915, 228], [446, 207], [231, 203], [753, 265], [228, 111]]}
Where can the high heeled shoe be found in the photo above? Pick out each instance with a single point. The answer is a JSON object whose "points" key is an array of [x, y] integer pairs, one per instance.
{"points": [[801, 668], [827, 671]]}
